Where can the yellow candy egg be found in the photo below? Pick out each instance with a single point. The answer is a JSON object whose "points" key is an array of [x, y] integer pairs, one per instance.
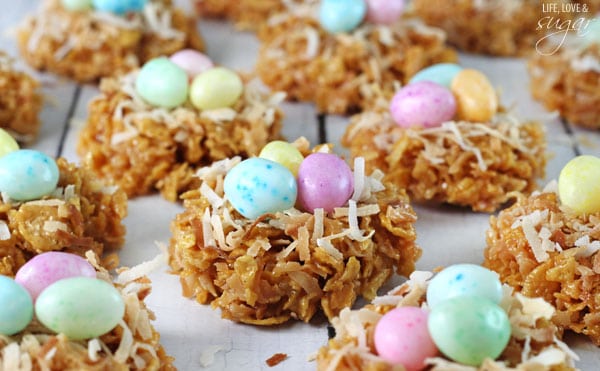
{"points": [[7, 143], [475, 96], [284, 153], [217, 87], [579, 184]]}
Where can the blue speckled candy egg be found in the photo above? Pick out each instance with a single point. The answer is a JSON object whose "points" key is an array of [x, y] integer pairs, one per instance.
{"points": [[464, 280], [16, 307], [257, 186], [119, 6], [162, 83], [342, 15], [441, 73], [80, 307], [469, 329], [27, 174]]}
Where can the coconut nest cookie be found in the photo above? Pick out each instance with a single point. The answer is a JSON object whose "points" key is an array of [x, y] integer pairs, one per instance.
{"points": [[246, 14], [81, 214], [474, 164], [20, 102], [132, 345], [143, 148], [543, 248], [533, 344], [87, 45], [569, 81], [290, 264], [346, 71]]}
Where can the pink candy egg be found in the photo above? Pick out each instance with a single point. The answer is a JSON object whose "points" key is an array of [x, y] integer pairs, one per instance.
{"points": [[191, 61], [401, 337], [46, 268], [423, 103], [324, 181], [384, 11]]}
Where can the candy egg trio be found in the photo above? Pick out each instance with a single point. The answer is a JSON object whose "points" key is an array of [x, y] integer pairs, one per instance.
{"points": [[442, 92], [169, 82], [463, 321], [338, 16], [281, 177]]}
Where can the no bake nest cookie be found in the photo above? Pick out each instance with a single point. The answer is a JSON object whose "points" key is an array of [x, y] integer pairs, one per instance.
{"points": [[290, 264], [88, 45], [534, 343], [569, 81], [498, 27], [132, 345], [82, 214], [142, 148], [20, 102], [344, 72], [474, 164], [544, 249]]}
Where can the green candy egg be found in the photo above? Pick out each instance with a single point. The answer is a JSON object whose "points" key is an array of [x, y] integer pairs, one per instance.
{"points": [[16, 307], [80, 307], [579, 184], [283, 153], [469, 329], [216, 87], [162, 83], [77, 5], [7, 143]]}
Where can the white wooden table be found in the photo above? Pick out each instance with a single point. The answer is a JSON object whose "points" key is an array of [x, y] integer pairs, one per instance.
{"points": [[191, 332]]}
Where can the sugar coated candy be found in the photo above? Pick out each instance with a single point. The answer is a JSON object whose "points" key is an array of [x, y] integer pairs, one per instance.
{"points": [[579, 184], [80, 307], [324, 181], [475, 96], [216, 87], [27, 174], [441, 73], [422, 103], [384, 11], [7, 143], [464, 280], [341, 15], [162, 83], [257, 186], [77, 5], [46, 268], [469, 329], [284, 153], [16, 307], [401, 337], [119, 6], [191, 61]]}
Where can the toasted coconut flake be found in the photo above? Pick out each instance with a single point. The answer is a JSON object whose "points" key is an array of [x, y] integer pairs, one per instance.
{"points": [[142, 269], [52, 226], [4, 231], [219, 114]]}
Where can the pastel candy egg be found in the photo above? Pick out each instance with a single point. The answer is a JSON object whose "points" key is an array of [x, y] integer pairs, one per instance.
{"points": [[7, 143], [476, 99], [324, 181], [27, 175], [469, 329], [441, 74], [16, 307], [191, 61], [423, 103], [80, 307], [401, 337], [384, 11], [591, 33], [162, 83], [119, 6], [216, 87], [77, 5], [46, 268], [258, 186], [341, 15], [284, 153], [579, 184], [464, 280]]}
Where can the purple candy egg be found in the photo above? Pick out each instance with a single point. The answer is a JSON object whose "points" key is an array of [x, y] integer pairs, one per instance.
{"points": [[46, 268], [324, 181], [384, 11], [423, 103], [191, 61]]}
